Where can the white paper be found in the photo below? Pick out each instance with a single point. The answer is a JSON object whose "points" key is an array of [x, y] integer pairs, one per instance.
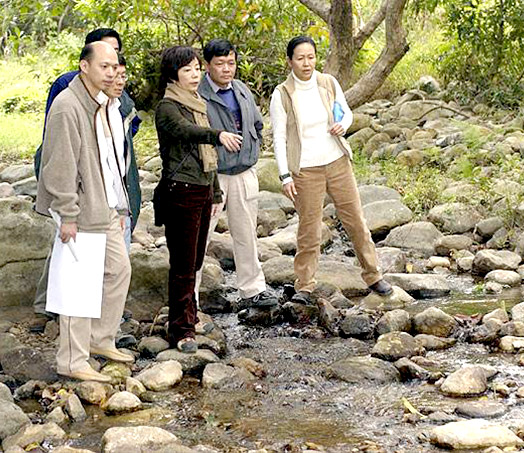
{"points": [[75, 287]]}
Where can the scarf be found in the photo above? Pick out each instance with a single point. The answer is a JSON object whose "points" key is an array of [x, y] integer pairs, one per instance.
{"points": [[198, 107]]}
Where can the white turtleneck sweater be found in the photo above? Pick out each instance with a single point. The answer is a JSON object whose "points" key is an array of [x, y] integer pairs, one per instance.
{"points": [[319, 147]]}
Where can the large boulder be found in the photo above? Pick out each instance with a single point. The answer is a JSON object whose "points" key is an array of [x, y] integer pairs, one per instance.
{"points": [[140, 439], [454, 217], [191, 363], [392, 346], [270, 200], [362, 370], [433, 321], [489, 260], [421, 285], [25, 238], [467, 381], [221, 376], [25, 364], [161, 376], [371, 193], [13, 418], [394, 321], [417, 236], [34, 435], [148, 289], [473, 434], [267, 171], [446, 244], [382, 216], [16, 173]]}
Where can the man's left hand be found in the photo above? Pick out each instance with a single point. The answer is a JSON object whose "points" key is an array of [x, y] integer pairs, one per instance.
{"points": [[123, 222], [216, 209], [337, 130]]}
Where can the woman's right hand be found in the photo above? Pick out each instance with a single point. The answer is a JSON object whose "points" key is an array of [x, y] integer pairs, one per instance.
{"points": [[231, 142], [289, 190]]}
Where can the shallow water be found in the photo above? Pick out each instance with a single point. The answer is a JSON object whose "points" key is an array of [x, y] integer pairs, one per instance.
{"points": [[296, 406]]}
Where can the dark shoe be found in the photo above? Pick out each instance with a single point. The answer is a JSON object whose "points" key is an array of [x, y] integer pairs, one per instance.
{"points": [[261, 300], [38, 324], [203, 328], [187, 345], [301, 297], [382, 288]]}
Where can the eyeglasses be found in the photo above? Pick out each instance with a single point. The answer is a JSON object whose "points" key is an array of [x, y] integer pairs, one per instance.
{"points": [[122, 77]]}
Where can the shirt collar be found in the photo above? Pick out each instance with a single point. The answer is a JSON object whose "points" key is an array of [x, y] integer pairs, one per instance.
{"points": [[305, 84], [101, 98], [215, 87]]}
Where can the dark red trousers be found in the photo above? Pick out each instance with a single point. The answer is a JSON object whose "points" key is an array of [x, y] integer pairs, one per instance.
{"points": [[188, 211]]}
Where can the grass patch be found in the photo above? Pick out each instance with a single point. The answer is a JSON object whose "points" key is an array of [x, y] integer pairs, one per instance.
{"points": [[20, 135]]}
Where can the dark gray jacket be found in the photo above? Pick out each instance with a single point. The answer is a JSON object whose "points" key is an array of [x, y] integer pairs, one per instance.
{"points": [[221, 118]]}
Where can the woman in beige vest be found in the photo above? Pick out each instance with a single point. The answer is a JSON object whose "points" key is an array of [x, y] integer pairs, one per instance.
{"points": [[310, 116]]}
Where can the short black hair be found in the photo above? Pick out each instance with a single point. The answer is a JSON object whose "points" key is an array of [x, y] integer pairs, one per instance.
{"points": [[296, 41], [173, 59], [121, 60], [218, 47], [87, 52], [99, 33]]}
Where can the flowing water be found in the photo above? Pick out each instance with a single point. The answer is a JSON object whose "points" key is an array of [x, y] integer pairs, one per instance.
{"points": [[296, 407]]}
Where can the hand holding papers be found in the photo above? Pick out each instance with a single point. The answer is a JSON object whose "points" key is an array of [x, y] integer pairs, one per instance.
{"points": [[58, 222]]}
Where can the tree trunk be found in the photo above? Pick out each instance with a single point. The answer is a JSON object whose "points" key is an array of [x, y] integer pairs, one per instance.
{"points": [[346, 42]]}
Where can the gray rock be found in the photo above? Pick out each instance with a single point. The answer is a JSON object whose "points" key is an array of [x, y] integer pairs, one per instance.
{"points": [[434, 321], [372, 193], [417, 236], [498, 313], [212, 275], [6, 190], [517, 312], [512, 328], [391, 260], [8, 342], [328, 317], [357, 325], [411, 157], [486, 333], [363, 370], [420, 285], [360, 121], [57, 415], [279, 270], [506, 278], [22, 250], [473, 434], [394, 321], [454, 217], [151, 346], [161, 376], [410, 370], [269, 200], [260, 317], [91, 392], [359, 139], [489, 260], [191, 363], [5, 393], [269, 220], [296, 313], [148, 289], [500, 240], [221, 246], [26, 363], [74, 409], [446, 244], [122, 402], [267, 172], [154, 164], [268, 250], [375, 142], [428, 84], [438, 262], [433, 343], [220, 376], [466, 381], [135, 387], [29, 389], [481, 409], [511, 344], [26, 186], [117, 371], [34, 434], [13, 418], [392, 346], [140, 439], [16, 173], [399, 299], [382, 216]]}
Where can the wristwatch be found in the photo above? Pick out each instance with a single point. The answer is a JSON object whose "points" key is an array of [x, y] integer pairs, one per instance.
{"points": [[284, 176]]}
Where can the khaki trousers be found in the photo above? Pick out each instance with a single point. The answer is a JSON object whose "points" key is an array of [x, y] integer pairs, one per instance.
{"points": [[240, 197], [338, 180], [77, 335]]}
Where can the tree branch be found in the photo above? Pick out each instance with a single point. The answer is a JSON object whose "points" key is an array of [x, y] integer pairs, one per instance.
{"points": [[319, 7], [369, 28], [395, 48]]}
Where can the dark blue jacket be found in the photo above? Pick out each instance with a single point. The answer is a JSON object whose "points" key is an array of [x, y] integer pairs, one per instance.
{"points": [[220, 117], [131, 125]]}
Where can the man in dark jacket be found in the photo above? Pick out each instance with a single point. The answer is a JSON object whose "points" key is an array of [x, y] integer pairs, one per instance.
{"points": [[131, 124], [231, 107]]}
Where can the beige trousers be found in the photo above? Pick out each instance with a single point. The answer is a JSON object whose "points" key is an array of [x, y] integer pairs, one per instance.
{"points": [[338, 180], [77, 335], [240, 197]]}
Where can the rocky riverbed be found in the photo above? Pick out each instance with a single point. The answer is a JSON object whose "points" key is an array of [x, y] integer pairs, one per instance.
{"points": [[436, 365]]}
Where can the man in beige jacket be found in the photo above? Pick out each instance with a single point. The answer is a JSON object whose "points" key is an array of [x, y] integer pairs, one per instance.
{"points": [[82, 180]]}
